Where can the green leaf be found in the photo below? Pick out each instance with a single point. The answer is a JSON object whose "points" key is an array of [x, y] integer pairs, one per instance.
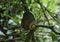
{"points": [[54, 36], [15, 20]]}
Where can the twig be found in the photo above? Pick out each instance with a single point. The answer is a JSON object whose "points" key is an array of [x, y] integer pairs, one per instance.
{"points": [[44, 13], [50, 13]]}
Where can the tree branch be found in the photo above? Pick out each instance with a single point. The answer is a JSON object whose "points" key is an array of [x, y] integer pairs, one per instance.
{"points": [[49, 27]]}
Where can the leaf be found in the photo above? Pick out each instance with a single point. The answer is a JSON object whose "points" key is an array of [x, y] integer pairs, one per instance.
{"points": [[15, 20], [53, 35]]}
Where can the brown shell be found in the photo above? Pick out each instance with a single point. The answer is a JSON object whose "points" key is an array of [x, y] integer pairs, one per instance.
{"points": [[27, 19]]}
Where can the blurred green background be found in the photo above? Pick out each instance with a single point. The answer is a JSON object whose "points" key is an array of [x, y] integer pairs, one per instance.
{"points": [[11, 14]]}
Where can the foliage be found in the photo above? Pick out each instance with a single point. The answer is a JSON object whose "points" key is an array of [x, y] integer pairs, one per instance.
{"points": [[11, 13]]}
